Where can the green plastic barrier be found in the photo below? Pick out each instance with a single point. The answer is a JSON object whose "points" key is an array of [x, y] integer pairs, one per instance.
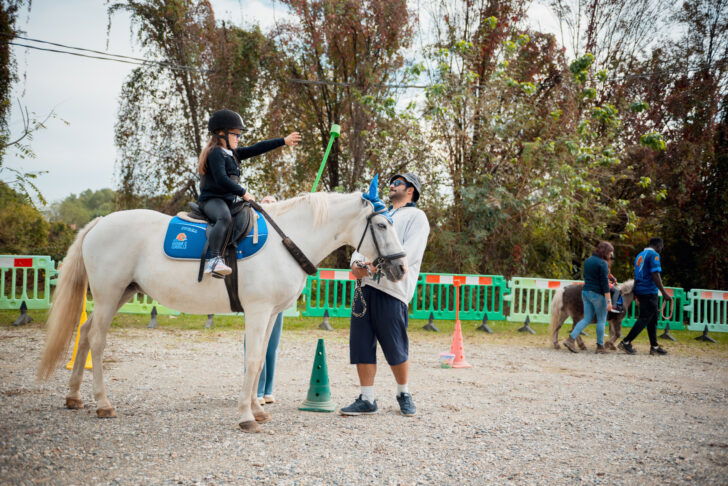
{"points": [[139, 304], [331, 290], [26, 278], [479, 294], [678, 315], [531, 297], [708, 308]]}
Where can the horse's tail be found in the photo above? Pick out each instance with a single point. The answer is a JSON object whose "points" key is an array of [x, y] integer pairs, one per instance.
{"points": [[67, 306], [557, 302]]}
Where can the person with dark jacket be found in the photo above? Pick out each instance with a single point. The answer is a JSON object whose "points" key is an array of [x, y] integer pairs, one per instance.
{"points": [[595, 295], [219, 169]]}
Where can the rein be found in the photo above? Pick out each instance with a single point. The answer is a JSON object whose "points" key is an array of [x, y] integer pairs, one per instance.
{"points": [[662, 309], [292, 248], [358, 296], [380, 258]]}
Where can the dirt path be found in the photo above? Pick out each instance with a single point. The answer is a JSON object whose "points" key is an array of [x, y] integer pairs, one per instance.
{"points": [[524, 415]]}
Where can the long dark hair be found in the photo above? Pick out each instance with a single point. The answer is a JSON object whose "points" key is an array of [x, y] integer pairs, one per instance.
{"points": [[603, 249]]}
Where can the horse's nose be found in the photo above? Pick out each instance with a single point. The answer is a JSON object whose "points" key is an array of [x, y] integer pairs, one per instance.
{"points": [[403, 268]]}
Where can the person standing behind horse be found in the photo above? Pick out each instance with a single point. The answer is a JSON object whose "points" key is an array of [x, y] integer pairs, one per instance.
{"points": [[385, 317], [647, 281], [595, 295], [219, 169]]}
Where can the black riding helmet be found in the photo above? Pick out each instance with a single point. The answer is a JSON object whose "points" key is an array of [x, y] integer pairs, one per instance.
{"points": [[224, 120]]}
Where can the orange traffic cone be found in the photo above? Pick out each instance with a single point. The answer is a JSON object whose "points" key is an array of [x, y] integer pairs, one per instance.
{"points": [[457, 348], [83, 319]]}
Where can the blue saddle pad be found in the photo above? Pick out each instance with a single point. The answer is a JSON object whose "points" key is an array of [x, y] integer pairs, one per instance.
{"points": [[185, 240]]}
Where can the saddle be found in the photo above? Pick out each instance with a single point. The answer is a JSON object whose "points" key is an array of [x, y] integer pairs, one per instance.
{"points": [[243, 217]]}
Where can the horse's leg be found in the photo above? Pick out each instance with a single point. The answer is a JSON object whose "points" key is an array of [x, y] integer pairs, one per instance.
{"points": [[555, 333], [615, 332], [73, 399], [261, 415], [102, 316], [256, 327]]}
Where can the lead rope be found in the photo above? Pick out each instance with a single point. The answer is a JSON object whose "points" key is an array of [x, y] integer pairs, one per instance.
{"points": [[672, 309], [358, 296]]}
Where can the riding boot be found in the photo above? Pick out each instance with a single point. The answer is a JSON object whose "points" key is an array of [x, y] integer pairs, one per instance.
{"points": [[600, 349]]}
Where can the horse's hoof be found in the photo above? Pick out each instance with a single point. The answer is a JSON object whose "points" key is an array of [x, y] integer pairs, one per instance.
{"points": [[610, 346], [74, 403], [557, 346], [582, 346], [262, 417], [106, 412], [251, 427]]}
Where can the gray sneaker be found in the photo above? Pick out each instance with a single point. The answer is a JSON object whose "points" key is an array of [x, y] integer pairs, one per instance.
{"points": [[406, 405], [360, 407]]}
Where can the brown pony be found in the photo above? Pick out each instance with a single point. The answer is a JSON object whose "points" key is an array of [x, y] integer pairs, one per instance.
{"points": [[567, 303]]}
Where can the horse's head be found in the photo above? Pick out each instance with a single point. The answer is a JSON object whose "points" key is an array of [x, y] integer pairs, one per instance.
{"points": [[379, 242]]}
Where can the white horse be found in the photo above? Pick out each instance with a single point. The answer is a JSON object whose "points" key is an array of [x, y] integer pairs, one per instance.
{"points": [[121, 254]]}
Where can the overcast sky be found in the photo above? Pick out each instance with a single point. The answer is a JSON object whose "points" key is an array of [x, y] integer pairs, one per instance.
{"points": [[84, 92]]}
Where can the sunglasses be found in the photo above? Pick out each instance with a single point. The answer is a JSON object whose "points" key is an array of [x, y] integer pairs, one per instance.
{"points": [[398, 183], [236, 135]]}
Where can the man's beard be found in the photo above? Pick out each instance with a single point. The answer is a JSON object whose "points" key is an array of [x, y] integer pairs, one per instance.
{"points": [[396, 196]]}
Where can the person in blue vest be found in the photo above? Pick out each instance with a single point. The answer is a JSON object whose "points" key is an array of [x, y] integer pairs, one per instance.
{"points": [[595, 295], [647, 282]]}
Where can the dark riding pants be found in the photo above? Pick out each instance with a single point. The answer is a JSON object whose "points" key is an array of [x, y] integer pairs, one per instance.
{"points": [[218, 211]]}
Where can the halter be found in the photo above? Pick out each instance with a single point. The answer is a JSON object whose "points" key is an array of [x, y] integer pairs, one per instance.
{"points": [[380, 258], [358, 297]]}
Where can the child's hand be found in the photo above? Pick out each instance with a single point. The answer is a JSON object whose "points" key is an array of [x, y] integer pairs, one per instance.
{"points": [[248, 197], [292, 139]]}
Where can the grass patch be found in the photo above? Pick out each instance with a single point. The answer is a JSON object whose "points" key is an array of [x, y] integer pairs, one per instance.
{"points": [[505, 333]]}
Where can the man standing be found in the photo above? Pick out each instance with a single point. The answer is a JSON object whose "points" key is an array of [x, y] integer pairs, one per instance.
{"points": [[385, 319], [647, 281]]}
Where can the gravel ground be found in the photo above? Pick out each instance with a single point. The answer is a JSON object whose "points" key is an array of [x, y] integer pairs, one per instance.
{"points": [[522, 414]]}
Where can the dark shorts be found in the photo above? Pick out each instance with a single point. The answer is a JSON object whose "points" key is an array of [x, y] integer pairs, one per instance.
{"points": [[385, 321]]}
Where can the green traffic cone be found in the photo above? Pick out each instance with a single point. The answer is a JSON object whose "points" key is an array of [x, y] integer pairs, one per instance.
{"points": [[319, 392]]}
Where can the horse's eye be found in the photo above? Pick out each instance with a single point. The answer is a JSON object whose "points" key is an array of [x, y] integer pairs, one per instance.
{"points": [[381, 226]]}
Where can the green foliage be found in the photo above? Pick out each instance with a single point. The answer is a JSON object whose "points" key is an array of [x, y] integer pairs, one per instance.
{"points": [[25, 231], [653, 140], [639, 106], [580, 67], [78, 210]]}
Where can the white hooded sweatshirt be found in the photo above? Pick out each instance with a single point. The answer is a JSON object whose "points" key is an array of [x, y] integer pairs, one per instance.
{"points": [[413, 229]]}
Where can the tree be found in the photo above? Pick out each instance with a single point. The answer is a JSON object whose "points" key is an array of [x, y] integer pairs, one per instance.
{"points": [[335, 62], [76, 211], [534, 154], [24, 230], [19, 179], [199, 67]]}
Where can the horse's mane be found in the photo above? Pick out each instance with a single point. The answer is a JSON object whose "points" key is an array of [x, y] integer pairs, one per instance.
{"points": [[626, 286], [318, 201]]}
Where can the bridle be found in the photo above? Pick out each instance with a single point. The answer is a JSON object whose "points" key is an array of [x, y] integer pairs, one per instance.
{"points": [[380, 258], [358, 296]]}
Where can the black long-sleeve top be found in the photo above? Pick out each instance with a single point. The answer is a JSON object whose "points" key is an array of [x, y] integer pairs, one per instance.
{"points": [[220, 166]]}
